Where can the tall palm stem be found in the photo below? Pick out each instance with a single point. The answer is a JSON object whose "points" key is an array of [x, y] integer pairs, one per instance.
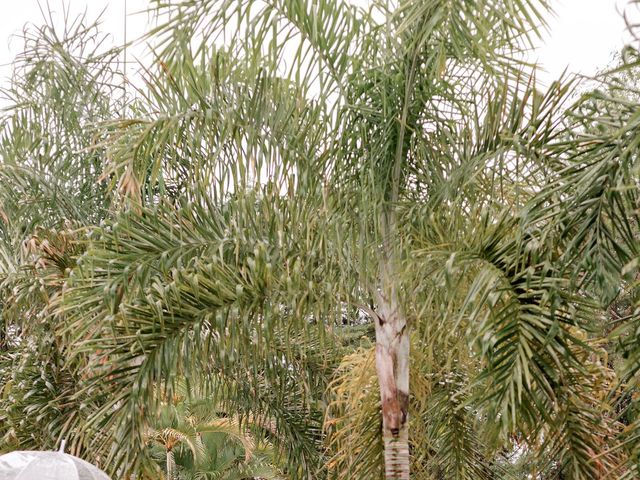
{"points": [[392, 362], [170, 464]]}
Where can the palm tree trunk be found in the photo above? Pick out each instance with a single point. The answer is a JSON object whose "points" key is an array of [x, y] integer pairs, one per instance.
{"points": [[396, 456], [170, 464], [392, 365]]}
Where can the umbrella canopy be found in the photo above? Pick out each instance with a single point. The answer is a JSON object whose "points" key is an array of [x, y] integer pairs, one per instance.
{"points": [[47, 466]]}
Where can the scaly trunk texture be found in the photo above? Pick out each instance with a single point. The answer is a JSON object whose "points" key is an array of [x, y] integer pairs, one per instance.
{"points": [[392, 365], [396, 455], [170, 464]]}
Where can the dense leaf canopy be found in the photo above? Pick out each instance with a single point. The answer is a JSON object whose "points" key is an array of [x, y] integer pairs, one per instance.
{"points": [[210, 248]]}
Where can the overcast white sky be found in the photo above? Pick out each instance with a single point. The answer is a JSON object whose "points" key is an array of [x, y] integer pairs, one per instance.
{"points": [[583, 35]]}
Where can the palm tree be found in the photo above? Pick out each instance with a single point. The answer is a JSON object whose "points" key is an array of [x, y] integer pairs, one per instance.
{"points": [[62, 82], [327, 182], [196, 441], [292, 170], [594, 197]]}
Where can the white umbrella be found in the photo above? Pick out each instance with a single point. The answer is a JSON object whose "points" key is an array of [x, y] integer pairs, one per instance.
{"points": [[47, 466]]}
